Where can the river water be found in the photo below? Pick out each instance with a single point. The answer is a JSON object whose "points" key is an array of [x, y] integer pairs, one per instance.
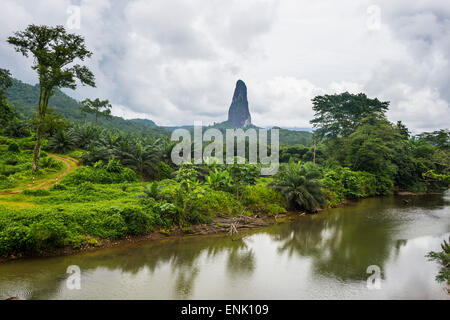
{"points": [[323, 256]]}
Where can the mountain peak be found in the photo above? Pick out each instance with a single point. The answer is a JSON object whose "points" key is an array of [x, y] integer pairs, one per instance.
{"points": [[238, 114]]}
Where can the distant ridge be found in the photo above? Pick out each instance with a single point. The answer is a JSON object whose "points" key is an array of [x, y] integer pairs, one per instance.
{"points": [[23, 97]]}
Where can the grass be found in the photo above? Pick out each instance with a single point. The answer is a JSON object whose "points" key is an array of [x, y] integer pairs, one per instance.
{"points": [[75, 213], [14, 204], [16, 173]]}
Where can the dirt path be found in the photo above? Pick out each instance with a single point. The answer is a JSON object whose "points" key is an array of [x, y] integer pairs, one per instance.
{"points": [[71, 164]]}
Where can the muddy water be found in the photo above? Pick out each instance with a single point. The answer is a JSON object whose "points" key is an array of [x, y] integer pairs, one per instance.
{"points": [[313, 257]]}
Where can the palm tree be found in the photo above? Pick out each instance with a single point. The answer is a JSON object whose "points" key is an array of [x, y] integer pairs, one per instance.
{"points": [[85, 135], [299, 184], [17, 129], [109, 140], [141, 155], [62, 142]]}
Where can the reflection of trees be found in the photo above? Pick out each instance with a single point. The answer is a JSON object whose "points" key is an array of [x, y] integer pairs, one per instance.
{"points": [[182, 255], [241, 263], [185, 281], [341, 243], [345, 241]]}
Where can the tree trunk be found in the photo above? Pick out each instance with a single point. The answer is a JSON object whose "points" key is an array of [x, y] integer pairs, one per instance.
{"points": [[315, 144], [44, 97], [37, 146]]}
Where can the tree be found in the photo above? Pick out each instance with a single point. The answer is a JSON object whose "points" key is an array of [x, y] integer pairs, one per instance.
{"points": [[85, 135], [62, 141], [142, 156], [5, 81], [299, 184], [17, 128], [51, 123], [403, 130], [97, 107], [340, 114], [6, 111], [54, 52], [443, 258], [372, 146], [438, 138]]}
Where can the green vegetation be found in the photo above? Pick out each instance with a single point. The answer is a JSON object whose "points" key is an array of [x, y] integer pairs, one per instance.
{"points": [[96, 107], [300, 185], [15, 166], [367, 142], [443, 258], [341, 114], [6, 112], [127, 184], [53, 50], [23, 98], [106, 202], [112, 172], [109, 198]]}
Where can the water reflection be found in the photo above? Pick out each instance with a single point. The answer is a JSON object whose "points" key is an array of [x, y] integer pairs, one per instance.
{"points": [[343, 242], [320, 256], [47, 277]]}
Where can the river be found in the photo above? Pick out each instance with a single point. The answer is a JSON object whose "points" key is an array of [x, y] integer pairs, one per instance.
{"points": [[323, 256]]}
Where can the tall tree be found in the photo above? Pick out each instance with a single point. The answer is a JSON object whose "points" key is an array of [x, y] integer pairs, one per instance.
{"points": [[6, 112], [5, 81], [340, 114], [97, 107], [438, 138], [54, 52]]}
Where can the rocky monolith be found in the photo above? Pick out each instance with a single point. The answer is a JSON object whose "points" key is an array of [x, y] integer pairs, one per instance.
{"points": [[238, 115]]}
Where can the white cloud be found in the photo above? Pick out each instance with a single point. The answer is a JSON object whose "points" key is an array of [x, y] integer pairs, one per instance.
{"points": [[177, 61]]}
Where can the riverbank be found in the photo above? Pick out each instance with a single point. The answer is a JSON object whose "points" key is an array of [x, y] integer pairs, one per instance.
{"points": [[221, 225], [300, 259]]}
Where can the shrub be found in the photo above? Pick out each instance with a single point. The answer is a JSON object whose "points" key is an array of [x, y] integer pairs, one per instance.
{"points": [[49, 162], [259, 198], [58, 186], [114, 166], [48, 233], [244, 173], [100, 175], [186, 171], [11, 160], [164, 171], [112, 224], [36, 229], [213, 203], [36, 193], [341, 182], [220, 180], [167, 213], [85, 187], [137, 221], [333, 199], [152, 191], [14, 147]]}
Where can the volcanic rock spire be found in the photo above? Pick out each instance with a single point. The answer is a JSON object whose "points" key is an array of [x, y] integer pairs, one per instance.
{"points": [[238, 115]]}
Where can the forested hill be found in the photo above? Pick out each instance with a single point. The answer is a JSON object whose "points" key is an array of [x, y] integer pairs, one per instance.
{"points": [[23, 97], [287, 137]]}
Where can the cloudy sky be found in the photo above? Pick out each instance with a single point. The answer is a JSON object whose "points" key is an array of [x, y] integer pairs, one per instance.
{"points": [[177, 62]]}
